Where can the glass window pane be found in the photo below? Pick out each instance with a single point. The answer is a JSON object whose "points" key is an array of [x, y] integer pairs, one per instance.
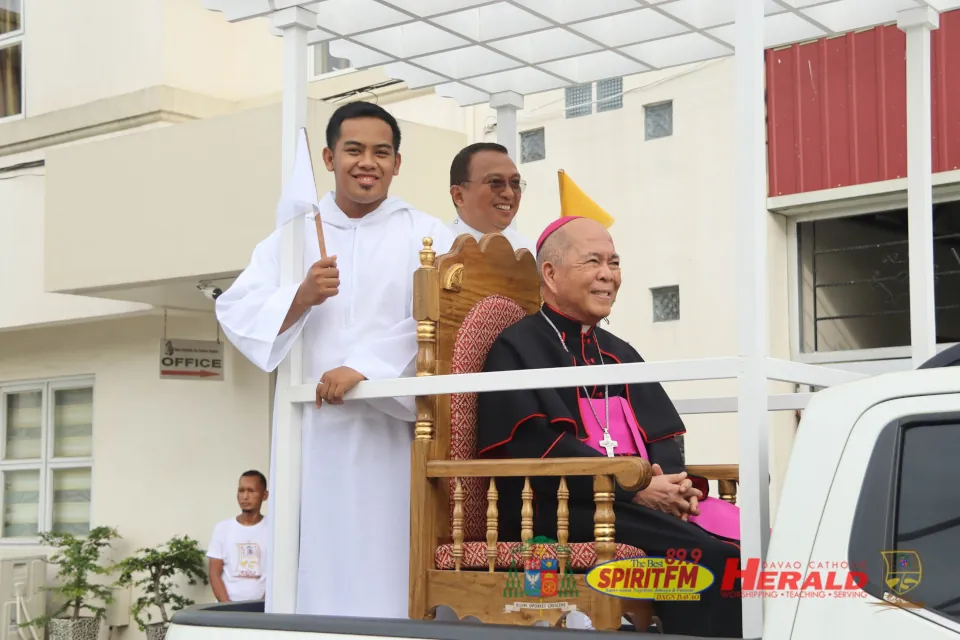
{"points": [[21, 503], [11, 78], [658, 120], [24, 418], [578, 100], [11, 16], [532, 145], [73, 423], [854, 275], [666, 303], [71, 501], [609, 94]]}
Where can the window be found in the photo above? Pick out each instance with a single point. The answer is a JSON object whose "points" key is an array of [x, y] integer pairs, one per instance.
{"points": [[532, 145], [11, 58], [46, 457], [609, 94], [324, 63], [927, 531], [666, 303], [854, 280], [906, 532], [658, 120], [578, 100]]}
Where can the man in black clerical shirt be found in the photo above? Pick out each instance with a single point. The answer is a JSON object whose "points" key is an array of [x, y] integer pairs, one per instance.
{"points": [[580, 277]]}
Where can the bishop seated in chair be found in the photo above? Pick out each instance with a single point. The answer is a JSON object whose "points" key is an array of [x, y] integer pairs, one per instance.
{"points": [[580, 277]]}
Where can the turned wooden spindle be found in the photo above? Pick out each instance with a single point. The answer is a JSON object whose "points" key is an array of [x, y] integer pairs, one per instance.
{"points": [[563, 524], [604, 518], [427, 313], [526, 520], [492, 520], [728, 490], [458, 494], [426, 360]]}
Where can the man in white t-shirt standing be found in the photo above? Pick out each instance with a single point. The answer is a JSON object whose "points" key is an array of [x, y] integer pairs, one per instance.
{"points": [[239, 545]]}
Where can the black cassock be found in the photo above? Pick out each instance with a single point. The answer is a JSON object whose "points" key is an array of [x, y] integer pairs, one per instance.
{"points": [[544, 423]]}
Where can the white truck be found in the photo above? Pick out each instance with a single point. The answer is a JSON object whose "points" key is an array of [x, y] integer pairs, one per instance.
{"points": [[870, 488]]}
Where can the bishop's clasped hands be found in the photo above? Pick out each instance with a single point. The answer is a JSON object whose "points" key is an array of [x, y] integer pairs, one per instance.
{"points": [[672, 493]]}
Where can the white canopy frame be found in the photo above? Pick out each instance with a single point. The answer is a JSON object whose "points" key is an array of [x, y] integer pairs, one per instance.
{"points": [[495, 52]]}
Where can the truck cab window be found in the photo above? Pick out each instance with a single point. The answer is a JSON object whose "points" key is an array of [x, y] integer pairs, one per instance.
{"points": [[906, 528], [927, 534]]}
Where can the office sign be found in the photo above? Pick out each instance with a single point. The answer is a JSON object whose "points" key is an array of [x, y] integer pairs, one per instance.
{"points": [[191, 360]]}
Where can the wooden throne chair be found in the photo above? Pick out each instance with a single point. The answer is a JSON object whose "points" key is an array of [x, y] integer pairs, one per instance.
{"points": [[462, 301]]}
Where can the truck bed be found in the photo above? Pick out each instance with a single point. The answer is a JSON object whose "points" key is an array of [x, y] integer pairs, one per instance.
{"points": [[247, 621]]}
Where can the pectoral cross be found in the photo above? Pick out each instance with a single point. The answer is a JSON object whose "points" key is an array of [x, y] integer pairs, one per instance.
{"points": [[608, 444]]}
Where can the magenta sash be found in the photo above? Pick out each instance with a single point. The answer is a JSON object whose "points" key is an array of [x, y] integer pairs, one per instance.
{"points": [[717, 517]]}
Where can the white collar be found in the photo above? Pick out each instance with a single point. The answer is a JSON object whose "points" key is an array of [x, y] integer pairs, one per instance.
{"points": [[459, 225]]}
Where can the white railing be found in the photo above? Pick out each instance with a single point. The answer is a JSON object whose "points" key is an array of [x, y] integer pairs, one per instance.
{"points": [[610, 374]]}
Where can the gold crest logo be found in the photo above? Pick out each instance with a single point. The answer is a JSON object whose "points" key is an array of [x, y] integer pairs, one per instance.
{"points": [[903, 573], [904, 570]]}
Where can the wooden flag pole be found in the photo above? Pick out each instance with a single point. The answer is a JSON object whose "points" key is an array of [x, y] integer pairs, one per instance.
{"points": [[316, 218]]}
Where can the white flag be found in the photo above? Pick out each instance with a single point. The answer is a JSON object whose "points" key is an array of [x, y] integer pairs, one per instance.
{"points": [[299, 195]]}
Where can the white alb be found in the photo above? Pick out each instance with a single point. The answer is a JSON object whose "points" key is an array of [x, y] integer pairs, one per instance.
{"points": [[355, 492]]}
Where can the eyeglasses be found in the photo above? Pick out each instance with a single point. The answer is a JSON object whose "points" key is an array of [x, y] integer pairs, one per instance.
{"points": [[498, 184]]}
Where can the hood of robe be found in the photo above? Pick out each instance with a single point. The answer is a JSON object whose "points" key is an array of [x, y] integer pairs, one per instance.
{"points": [[333, 215]]}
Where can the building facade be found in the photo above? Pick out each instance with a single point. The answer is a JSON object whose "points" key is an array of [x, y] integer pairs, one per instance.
{"points": [[146, 162]]}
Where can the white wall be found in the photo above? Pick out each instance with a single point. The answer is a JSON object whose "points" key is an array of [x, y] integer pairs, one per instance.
{"points": [[79, 52], [167, 454], [202, 52], [25, 302]]}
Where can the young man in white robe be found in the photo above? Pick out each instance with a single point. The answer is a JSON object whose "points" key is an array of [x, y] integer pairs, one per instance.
{"points": [[486, 188], [354, 312]]}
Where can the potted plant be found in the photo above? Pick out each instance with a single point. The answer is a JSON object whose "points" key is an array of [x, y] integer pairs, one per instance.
{"points": [[154, 572], [78, 559]]}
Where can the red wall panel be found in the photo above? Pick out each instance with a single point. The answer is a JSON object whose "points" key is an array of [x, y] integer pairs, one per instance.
{"points": [[836, 108]]}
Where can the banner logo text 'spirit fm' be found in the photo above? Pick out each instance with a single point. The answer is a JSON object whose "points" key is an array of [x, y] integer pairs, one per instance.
{"points": [[652, 578]]}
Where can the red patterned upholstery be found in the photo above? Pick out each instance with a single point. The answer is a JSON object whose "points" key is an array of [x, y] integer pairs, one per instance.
{"points": [[480, 328], [582, 554]]}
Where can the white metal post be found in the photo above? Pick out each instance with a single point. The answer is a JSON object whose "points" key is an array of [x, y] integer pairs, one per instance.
{"points": [[293, 22], [507, 104], [754, 495], [917, 24]]}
